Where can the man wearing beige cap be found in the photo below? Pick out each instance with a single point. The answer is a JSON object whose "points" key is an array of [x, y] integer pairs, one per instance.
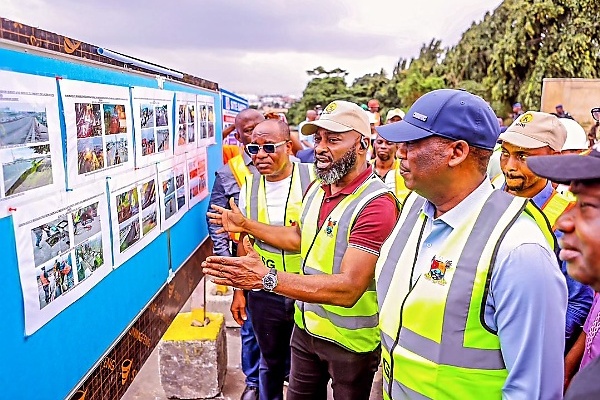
{"points": [[394, 115], [542, 134], [339, 235]]}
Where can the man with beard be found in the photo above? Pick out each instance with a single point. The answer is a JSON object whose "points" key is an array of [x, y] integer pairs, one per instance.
{"points": [[580, 244], [535, 134], [471, 301], [339, 236], [274, 196], [387, 167]]}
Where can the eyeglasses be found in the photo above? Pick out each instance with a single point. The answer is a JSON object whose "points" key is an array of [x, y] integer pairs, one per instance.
{"points": [[269, 148], [596, 113]]}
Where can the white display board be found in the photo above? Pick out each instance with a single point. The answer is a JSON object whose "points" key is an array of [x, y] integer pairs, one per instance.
{"points": [[152, 116], [63, 249], [172, 178], [134, 212], [99, 130], [197, 175], [186, 130], [31, 154]]}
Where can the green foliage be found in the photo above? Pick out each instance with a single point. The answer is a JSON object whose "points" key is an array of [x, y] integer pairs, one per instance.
{"points": [[502, 58]]}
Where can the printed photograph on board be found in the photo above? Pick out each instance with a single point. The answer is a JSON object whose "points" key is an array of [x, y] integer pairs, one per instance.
{"points": [[129, 233], [182, 135], [90, 155], [162, 117], [148, 142], [88, 120], [89, 256], [149, 219], [170, 206], [147, 115], [86, 223], [22, 123], [116, 150], [127, 205], [115, 119], [26, 168], [162, 139], [50, 239], [54, 279], [148, 193]]}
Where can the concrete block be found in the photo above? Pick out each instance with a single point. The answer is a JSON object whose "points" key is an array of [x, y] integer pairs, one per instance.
{"points": [[193, 360], [218, 300]]}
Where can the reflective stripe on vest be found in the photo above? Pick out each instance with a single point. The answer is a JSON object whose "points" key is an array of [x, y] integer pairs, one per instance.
{"points": [[555, 206], [240, 171], [323, 249], [435, 343], [256, 209]]}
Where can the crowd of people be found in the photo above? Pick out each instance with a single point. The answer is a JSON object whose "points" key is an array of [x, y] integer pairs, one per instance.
{"points": [[460, 255]]}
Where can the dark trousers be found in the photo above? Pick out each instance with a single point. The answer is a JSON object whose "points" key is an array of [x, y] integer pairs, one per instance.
{"points": [[250, 352], [315, 361], [273, 319]]}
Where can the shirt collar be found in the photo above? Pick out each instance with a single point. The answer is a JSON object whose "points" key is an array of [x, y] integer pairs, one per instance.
{"points": [[352, 186], [462, 210], [542, 197], [247, 159]]}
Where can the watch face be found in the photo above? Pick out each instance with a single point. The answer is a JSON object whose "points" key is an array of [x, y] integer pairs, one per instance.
{"points": [[270, 281]]}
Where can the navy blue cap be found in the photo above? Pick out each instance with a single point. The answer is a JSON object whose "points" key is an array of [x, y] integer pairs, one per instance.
{"points": [[449, 113]]}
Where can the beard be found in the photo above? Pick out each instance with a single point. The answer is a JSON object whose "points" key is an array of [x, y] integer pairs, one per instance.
{"points": [[338, 169]]}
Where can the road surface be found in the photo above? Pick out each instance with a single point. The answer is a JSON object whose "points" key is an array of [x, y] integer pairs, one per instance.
{"points": [[23, 130]]}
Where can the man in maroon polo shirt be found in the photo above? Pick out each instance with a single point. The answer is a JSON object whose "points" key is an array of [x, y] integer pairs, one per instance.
{"points": [[344, 222]]}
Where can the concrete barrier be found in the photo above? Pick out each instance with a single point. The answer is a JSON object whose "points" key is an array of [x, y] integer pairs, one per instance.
{"points": [[192, 359]]}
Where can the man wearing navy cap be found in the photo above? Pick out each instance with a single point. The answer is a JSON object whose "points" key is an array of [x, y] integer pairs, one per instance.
{"points": [[517, 111], [580, 243], [471, 299]]}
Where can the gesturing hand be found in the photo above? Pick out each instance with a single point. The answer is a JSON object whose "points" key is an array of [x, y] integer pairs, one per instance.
{"points": [[230, 220], [244, 272]]}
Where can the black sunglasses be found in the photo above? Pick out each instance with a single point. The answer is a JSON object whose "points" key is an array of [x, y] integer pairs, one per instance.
{"points": [[596, 113], [269, 148]]}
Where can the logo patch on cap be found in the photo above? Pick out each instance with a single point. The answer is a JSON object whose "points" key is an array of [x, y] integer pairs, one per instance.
{"points": [[330, 108], [526, 118], [420, 116]]}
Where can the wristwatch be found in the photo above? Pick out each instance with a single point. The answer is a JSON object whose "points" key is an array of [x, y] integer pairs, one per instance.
{"points": [[270, 280]]}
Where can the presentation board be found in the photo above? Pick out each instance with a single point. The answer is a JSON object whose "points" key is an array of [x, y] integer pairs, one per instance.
{"points": [[99, 309]]}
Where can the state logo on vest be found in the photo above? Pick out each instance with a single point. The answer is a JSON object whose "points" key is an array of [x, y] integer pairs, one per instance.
{"points": [[329, 228], [437, 270]]}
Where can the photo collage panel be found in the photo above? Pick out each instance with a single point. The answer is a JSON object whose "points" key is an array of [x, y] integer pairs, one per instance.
{"points": [[155, 128], [137, 213], [102, 137], [66, 251]]}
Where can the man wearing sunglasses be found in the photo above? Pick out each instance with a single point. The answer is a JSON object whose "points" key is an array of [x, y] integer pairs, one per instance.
{"points": [[345, 219], [274, 197], [228, 180]]}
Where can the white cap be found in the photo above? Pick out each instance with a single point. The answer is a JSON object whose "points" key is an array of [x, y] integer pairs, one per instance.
{"points": [[576, 136]]}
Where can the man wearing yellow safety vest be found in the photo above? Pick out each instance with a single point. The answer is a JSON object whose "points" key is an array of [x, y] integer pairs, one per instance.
{"points": [[339, 235], [471, 299], [387, 167], [228, 180], [274, 197], [542, 134]]}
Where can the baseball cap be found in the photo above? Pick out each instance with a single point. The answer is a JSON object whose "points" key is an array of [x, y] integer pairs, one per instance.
{"points": [[395, 112], [516, 105], [340, 116], [567, 167], [576, 136], [449, 113], [534, 129]]}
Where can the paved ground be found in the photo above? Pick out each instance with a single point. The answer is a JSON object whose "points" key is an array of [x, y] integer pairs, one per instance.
{"points": [[146, 385]]}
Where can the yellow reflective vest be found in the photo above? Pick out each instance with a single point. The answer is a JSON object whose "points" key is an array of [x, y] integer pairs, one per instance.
{"points": [[256, 209], [556, 204], [435, 344], [400, 189], [240, 171], [323, 249]]}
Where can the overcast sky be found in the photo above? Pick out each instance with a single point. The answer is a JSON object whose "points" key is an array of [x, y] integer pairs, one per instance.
{"points": [[257, 46]]}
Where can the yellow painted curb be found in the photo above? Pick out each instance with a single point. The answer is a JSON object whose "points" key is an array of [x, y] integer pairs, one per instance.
{"points": [[182, 330]]}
